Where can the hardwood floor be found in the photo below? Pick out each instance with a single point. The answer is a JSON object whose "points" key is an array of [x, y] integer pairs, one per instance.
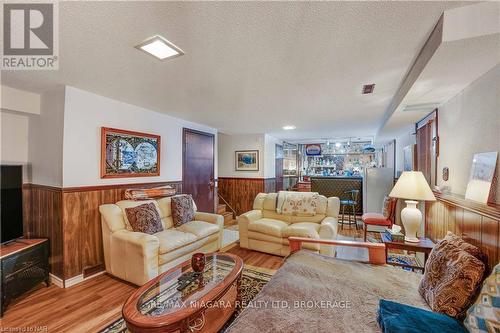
{"points": [[92, 304], [95, 303]]}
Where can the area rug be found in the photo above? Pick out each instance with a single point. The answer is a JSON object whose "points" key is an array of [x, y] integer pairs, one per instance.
{"points": [[229, 237], [253, 279]]}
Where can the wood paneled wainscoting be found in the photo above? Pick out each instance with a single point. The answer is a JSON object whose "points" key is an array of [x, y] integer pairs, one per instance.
{"points": [[70, 218], [477, 223], [240, 192]]}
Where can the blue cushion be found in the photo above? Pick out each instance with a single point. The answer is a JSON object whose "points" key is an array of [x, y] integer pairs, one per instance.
{"points": [[401, 318]]}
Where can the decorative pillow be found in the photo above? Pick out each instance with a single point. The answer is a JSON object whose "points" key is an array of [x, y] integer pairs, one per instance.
{"points": [[182, 209], [395, 318], [149, 193], [484, 315], [144, 218], [451, 279], [386, 210], [300, 204], [469, 248]]}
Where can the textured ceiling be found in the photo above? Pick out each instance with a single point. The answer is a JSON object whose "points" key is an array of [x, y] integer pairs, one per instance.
{"points": [[250, 67]]}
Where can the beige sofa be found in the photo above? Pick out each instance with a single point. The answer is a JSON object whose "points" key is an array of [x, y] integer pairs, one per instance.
{"points": [[264, 229], [138, 257]]}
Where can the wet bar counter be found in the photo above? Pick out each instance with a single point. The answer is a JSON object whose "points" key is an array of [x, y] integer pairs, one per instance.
{"points": [[337, 186]]}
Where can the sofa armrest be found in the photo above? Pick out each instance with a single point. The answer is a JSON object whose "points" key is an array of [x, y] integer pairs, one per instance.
{"points": [[243, 221], [210, 218], [376, 251], [134, 256], [328, 231], [333, 207]]}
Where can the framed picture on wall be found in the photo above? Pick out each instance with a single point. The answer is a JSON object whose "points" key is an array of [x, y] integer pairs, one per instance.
{"points": [[482, 177], [129, 154], [247, 160]]}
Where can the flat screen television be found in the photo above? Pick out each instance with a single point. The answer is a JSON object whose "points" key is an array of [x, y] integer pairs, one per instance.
{"points": [[11, 202]]}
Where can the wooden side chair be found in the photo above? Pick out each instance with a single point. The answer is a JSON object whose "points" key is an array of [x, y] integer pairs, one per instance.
{"points": [[385, 220]]}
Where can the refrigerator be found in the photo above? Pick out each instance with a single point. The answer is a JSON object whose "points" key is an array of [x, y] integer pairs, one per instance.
{"points": [[377, 183]]}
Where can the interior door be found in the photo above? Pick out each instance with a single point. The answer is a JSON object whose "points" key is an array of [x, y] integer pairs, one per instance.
{"points": [[198, 168], [279, 167]]}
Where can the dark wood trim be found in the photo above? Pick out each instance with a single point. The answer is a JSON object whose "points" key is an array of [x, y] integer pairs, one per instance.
{"points": [[490, 210], [105, 130], [89, 271], [115, 186], [43, 187], [247, 178]]}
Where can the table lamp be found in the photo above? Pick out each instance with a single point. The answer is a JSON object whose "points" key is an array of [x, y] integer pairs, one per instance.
{"points": [[413, 186]]}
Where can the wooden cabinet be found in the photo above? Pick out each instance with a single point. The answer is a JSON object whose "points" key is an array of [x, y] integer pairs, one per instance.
{"points": [[24, 264]]}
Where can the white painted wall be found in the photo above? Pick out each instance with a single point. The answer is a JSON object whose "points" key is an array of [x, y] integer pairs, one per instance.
{"points": [[228, 144], [19, 100], [14, 138], [45, 149], [270, 156], [401, 142], [85, 114], [264, 143], [469, 123]]}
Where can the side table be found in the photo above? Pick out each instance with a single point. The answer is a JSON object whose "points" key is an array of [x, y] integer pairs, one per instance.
{"points": [[424, 246]]}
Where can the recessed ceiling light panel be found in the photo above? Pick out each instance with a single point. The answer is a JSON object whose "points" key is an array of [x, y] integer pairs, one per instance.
{"points": [[289, 127], [160, 48]]}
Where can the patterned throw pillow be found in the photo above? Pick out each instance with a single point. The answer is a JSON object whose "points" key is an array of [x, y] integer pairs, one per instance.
{"points": [[386, 210], [182, 209], [451, 279], [149, 193], [484, 315], [300, 204], [144, 218], [469, 248]]}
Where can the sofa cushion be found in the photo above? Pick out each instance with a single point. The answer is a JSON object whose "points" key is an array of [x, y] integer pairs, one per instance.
{"points": [[199, 228], [451, 279], [302, 229], [182, 209], [300, 204], [375, 219], [172, 239], [144, 218], [270, 201], [123, 204], [268, 226]]}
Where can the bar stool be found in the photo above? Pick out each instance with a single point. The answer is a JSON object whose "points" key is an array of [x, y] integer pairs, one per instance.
{"points": [[352, 203]]}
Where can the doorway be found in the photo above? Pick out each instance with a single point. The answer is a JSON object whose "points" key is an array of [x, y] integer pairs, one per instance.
{"points": [[279, 167], [198, 168]]}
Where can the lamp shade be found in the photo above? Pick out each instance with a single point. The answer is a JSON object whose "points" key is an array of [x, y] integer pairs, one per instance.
{"points": [[412, 185]]}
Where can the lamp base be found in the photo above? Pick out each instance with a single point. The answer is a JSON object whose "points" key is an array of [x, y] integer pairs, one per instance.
{"points": [[411, 218], [412, 240]]}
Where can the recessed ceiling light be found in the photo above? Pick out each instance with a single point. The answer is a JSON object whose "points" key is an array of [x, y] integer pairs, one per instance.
{"points": [[160, 48], [289, 127]]}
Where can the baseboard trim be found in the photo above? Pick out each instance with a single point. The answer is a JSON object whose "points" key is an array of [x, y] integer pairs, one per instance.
{"points": [[79, 279], [56, 280]]}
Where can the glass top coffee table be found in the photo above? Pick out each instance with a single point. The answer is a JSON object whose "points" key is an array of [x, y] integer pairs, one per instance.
{"points": [[204, 306]]}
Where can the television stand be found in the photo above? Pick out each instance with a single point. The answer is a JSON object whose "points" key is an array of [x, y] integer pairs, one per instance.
{"points": [[24, 264]]}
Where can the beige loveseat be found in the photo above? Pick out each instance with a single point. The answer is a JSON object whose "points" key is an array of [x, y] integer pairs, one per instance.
{"points": [[138, 257], [267, 230]]}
